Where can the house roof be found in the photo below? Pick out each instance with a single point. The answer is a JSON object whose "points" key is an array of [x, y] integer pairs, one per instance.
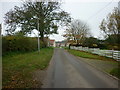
{"points": [[52, 40]]}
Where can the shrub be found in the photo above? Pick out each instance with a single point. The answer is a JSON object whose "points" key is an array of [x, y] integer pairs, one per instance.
{"points": [[19, 43]]}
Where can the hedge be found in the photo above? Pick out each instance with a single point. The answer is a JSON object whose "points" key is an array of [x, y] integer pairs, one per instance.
{"points": [[19, 43]]}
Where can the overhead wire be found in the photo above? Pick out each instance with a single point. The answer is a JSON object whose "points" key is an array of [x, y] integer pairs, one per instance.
{"points": [[99, 11]]}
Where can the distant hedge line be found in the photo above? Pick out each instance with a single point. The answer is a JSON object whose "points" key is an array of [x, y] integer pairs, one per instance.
{"points": [[18, 43]]}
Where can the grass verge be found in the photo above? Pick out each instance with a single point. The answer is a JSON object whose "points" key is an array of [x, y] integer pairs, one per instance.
{"points": [[88, 55], [115, 72], [106, 64], [18, 67]]}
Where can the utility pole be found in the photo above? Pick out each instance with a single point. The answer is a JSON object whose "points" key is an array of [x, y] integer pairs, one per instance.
{"points": [[38, 37], [0, 28], [119, 6]]}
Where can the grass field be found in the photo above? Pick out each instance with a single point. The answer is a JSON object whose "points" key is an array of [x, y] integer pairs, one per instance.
{"points": [[106, 64], [18, 67]]}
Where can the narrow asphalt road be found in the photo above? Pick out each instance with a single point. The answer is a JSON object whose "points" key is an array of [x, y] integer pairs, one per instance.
{"points": [[67, 71]]}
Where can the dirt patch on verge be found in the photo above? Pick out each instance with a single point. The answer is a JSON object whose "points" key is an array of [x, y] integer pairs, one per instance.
{"points": [[38, 77]]}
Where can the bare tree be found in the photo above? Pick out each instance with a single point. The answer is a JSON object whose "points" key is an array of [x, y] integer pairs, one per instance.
{"points": [[77, 31]]}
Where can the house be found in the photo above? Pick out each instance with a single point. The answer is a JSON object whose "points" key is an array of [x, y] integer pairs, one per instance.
{"points": [[61, 44], [52, 43], [58, 44]]}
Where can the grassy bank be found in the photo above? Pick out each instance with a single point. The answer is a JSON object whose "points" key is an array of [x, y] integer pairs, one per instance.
{"points": [[18, 67], [88, 55], [106, 64]]}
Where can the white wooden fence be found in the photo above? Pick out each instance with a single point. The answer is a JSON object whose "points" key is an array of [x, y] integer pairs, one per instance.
{"points": [[107, 53]]}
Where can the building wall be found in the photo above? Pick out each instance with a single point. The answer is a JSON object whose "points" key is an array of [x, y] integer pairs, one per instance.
{"points": [[54, 44]]}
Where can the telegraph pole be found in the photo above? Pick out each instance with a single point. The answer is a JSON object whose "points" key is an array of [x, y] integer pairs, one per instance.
{"points": [[119, 6], [38, 38], [0, 28]]}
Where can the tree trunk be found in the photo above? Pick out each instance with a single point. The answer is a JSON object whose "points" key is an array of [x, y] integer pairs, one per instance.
{"points": [[43, 39]]}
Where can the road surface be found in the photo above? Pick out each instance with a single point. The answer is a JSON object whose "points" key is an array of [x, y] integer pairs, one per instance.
{"points": [[67, 71]]}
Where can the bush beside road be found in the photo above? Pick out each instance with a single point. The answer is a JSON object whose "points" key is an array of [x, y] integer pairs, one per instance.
{"points": [[19, 43]]}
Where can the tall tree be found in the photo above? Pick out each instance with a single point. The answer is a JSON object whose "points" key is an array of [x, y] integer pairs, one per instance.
{"points": [[111, 25], [49, 15], [77, 31]]}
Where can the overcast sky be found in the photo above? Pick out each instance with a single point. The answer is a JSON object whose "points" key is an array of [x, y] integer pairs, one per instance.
{"points": [[91, 12]]}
